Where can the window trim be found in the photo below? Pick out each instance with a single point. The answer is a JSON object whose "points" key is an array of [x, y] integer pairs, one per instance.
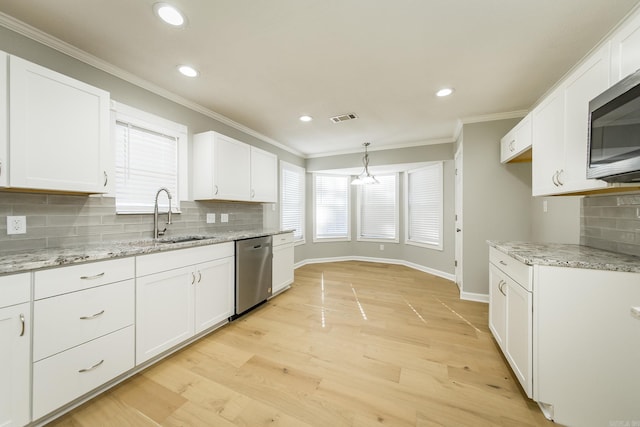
{"points": [[396, 239], [407, 240], [142, 119], [298, 169], [347, 238]]}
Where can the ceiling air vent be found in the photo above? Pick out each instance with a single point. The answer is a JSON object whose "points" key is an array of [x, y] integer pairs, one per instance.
{"points": [[343, 118]]}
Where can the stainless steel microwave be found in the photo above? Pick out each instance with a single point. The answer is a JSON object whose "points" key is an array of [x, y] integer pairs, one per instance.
{"points": [[613, 150]]}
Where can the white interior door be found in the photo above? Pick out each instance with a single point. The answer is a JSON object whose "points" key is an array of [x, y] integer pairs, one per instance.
{"points": [[458, 217]]}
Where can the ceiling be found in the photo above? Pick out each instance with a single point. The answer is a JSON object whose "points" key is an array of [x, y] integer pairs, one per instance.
{"points": [[264, 63]]}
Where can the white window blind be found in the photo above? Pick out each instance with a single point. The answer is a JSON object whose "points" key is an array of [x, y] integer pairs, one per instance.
{"points": [[331, 207], [378, 209], [424, 206], [146, 161], [292, 183]]}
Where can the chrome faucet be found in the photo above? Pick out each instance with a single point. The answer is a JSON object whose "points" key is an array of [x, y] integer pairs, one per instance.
{"points": [[156, 231]]}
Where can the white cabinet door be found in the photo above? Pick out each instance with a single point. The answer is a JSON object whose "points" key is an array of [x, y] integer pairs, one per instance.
{"points": [[264, 176], [58, 131], [519, 321], [548, 144], [222, 168], [625, 50], [214, 292], [4, 122], [497, 305], [164, 311], [282, 267], [15, 362], [585, 83]]}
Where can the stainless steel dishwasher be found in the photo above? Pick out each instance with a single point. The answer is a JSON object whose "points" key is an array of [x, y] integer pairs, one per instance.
{"points": [[253, 272]]}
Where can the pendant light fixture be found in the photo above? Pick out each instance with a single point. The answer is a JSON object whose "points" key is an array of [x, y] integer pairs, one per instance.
{"points": [[365, 177]]}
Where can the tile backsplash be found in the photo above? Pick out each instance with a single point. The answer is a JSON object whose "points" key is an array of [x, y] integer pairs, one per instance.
{"points": [[611, 222], [62, 221]]}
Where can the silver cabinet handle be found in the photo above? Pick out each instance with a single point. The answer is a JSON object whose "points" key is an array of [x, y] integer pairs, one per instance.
{"points": [[253, 193], [560, 172], [553, 178], [106, 178], [512, 145], [215, 190], [22, 325], [199, 276], [193, 278], [90, 368], [92, 277], [503, 263], [501, 287], [93, 316]]}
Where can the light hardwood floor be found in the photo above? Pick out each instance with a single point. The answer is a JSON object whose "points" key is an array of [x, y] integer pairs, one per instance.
{"points": [[350, 344]]}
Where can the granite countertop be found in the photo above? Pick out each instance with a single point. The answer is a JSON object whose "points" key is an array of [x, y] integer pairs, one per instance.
{"points": [[35, 259], [566, 255]]}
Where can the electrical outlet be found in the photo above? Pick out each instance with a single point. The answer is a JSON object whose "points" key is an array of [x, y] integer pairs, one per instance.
{"points": [[382, 247], [224, 217], [545, 208], [16, 224], [211, 218]]}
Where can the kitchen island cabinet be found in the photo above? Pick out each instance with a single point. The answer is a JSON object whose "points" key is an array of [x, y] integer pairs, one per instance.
{"points": [[15, 349]]}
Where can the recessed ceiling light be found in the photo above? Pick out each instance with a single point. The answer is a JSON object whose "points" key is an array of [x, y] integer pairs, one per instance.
{"points": [[444, 92], [169, 14], [187, 71], [306, 118]]}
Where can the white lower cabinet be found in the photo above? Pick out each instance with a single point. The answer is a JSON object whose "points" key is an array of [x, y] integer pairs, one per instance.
{"points": [[282, 271], [181, 293], [572, 338], [83, 333], [510, 314], [15, 348], [587, 346]]}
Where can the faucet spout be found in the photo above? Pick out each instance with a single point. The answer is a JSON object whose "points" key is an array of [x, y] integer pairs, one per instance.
{"points": [[156, 231]]}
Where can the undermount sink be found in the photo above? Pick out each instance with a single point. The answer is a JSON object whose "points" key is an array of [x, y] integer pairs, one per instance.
{"points": [[181, 239]]}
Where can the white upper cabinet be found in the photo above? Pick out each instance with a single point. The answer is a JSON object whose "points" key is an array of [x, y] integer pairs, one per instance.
{"points": [[515, 146], [264, 176], [4, 99], [58, 131], [560, 129], [227, 169], [625, 50]]}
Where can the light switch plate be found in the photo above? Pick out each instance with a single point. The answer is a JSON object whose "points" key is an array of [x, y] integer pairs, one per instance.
{"points": [[224, 217], [211, 218], [16, 224]]}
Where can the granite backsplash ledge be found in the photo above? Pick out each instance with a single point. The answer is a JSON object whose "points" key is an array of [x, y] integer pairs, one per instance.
{"points": [[611, 222], [59, 221]]}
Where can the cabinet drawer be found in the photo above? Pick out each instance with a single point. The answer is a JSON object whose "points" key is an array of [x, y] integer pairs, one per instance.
{"points": [[66, 376], [62, 280], [15, 289], [282, 239], [69, 320], [515, 269], [164, 261]]}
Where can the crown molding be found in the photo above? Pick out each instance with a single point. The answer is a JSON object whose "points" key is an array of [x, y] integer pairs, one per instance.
{"points": [[48, 40], [383, 147], [492, 117]]}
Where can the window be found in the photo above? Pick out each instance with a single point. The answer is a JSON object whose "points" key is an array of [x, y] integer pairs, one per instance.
{"points": [[378, 210], [150, 154], [331, 207], [424, 206], [292, 182]]}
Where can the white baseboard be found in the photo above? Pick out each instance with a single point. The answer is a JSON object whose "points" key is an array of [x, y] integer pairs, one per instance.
{"points": [[418, 267], [470, 296]]}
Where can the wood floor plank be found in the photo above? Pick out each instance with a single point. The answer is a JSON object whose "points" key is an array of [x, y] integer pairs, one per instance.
{"points": [[350, 344]]}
